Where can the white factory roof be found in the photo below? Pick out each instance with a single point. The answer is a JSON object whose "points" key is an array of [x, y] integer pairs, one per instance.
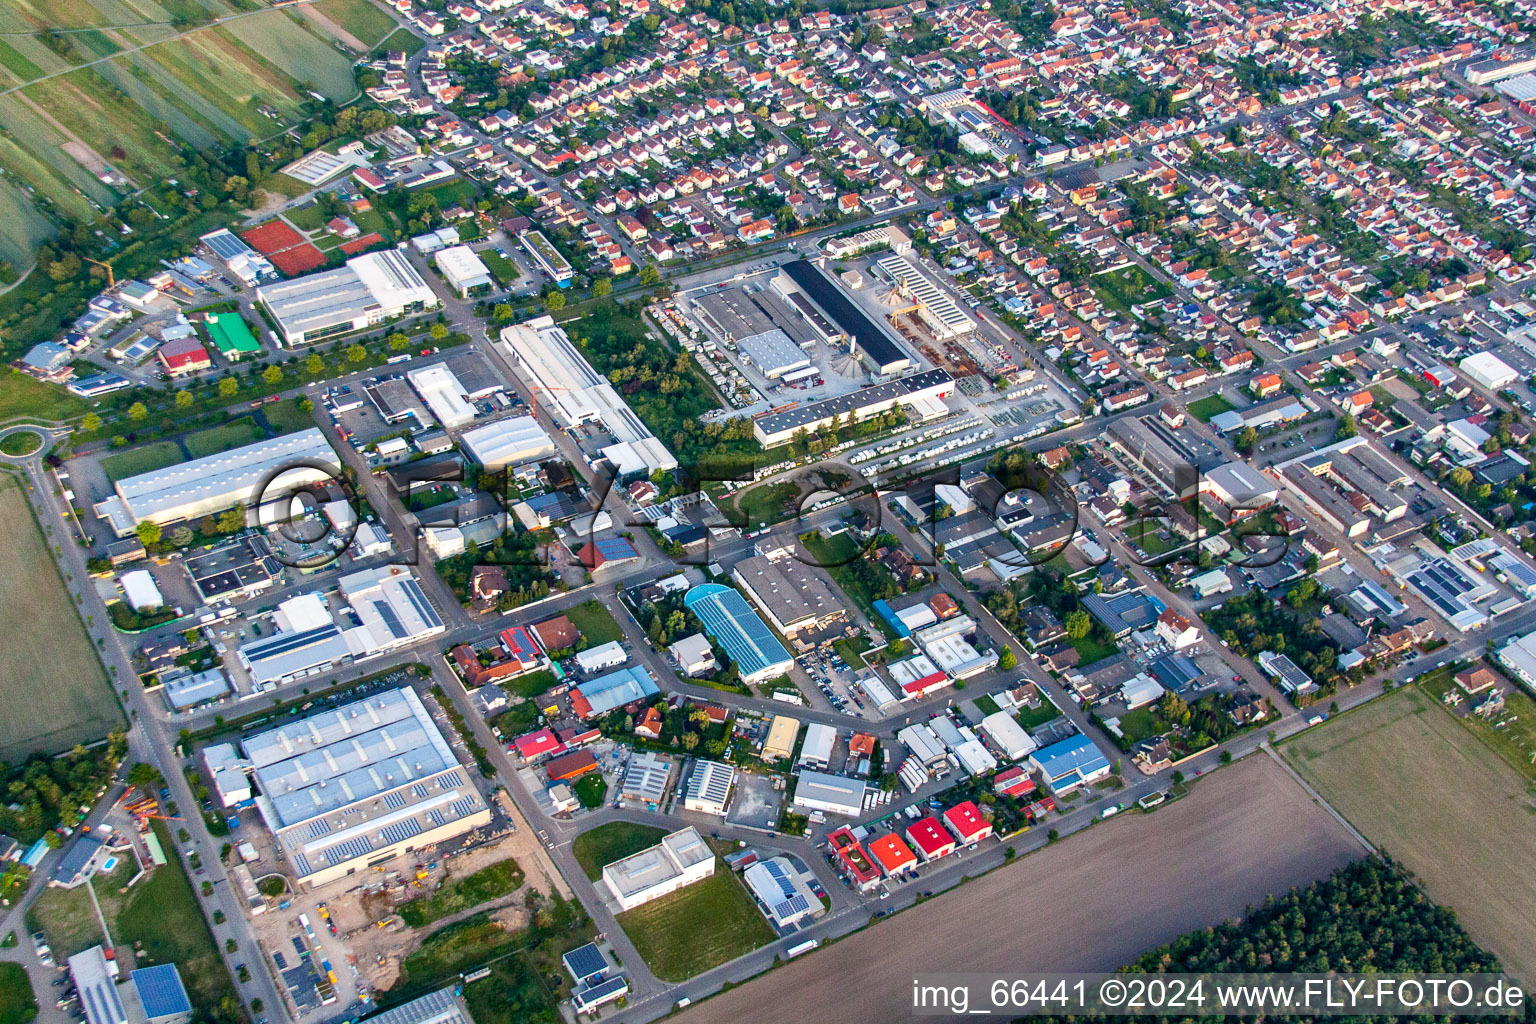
{"points": [[140, 590], [774, 353], [657, 865], [817, 747], [836, 794], [951, 319], [197, 688], [576, 393], [1488, 370], [1008, 736], [98, 992], [367, 775], [463, 269], [376, 280], [443, 394], [509, 442], [231, 476]]}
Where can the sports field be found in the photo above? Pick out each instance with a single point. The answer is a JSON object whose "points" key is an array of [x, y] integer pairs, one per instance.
{"points": [[1092, 902], [49, 673], [1426, 790]]}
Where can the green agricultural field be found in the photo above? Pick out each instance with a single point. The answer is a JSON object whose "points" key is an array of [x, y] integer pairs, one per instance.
{"points": [[616, 840], [224, 84], [283, 42], [595, 623], [698, 927], [24, 398], [143, 459], [48, 664], [401, 40], [365, 20], [1424, 788]]}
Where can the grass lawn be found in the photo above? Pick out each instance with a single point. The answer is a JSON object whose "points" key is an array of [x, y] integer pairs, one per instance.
{"points": [[23, 442], [503, 270], [1384, 398], [25, 398], [456, 894], [698, 927], [1139, 724], [47, 664], [595, 623], [591, 789], [986, 705], [1145, 534], [532, 684], [1426, 789], [838, 555], [17, 1004], [143, 459], [616, 840], [1210, 406], [305, 218], [222, 438], [1129, 286], [1092, 648], [1033, 718], [286, 417], [1512, 736], [162, 918], [852, 649], [455, 948], [768, 503]]}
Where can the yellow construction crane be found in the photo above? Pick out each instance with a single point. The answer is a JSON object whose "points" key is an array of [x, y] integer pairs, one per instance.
{"points": [[111, 280]]}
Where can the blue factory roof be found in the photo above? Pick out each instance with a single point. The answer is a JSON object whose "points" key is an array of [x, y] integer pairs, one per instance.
{"points": [[1076, 756], [743, 634], [161, 991]]}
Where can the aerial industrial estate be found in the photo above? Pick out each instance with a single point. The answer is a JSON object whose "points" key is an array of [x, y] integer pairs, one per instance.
{"points": [[558, 511]]}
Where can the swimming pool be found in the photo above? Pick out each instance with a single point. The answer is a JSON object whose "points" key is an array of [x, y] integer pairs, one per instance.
{"points": [[108, 864]]}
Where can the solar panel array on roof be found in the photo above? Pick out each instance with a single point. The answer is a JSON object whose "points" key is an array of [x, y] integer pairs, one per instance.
{"points": [[744, 635], [438, 1007], [161, 992], [585, 961]]}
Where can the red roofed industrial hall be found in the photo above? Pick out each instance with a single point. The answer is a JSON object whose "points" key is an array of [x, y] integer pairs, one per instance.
{"points": [[966, 822], [893, 855], [930, 839]]}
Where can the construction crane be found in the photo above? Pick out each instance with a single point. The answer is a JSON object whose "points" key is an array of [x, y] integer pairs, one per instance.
{"points": [[107, 266], [534, 392]]}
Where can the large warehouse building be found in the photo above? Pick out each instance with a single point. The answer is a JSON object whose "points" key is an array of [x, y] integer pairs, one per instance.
{"points": [[746, 638], [922, 394], [367, 291], [680, 859], [877, 344], [444, 395], [190, 490], [391, 609], [360, 785], [510, 442], [937, 310], [565, 383], [786, 590]]}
